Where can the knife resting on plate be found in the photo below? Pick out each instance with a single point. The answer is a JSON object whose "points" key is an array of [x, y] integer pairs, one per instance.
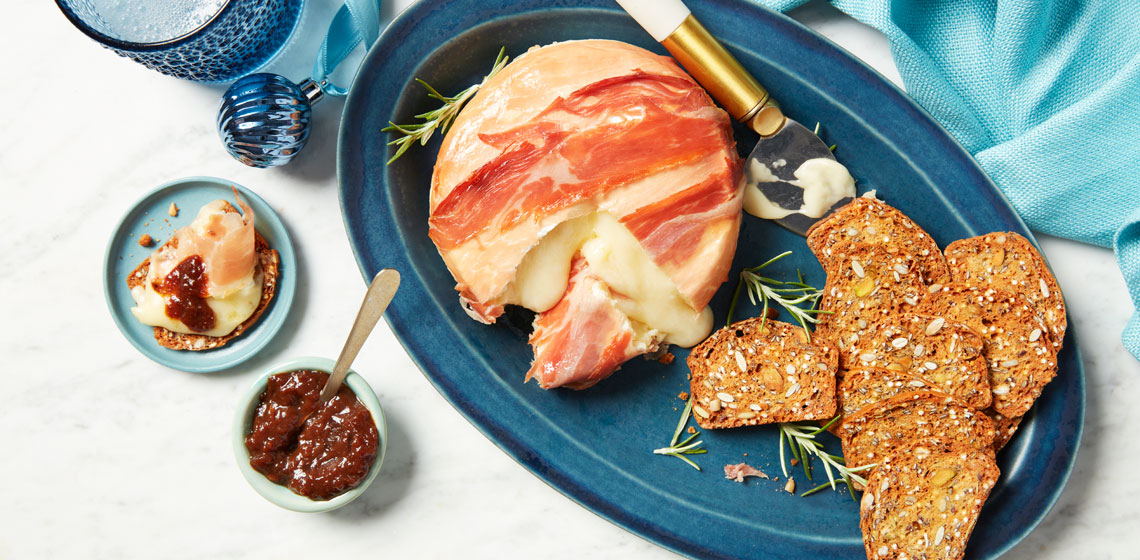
{"points": [[792, 176]]}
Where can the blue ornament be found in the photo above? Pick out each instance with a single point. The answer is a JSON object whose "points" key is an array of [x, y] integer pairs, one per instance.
{"points": [[264, 119]]}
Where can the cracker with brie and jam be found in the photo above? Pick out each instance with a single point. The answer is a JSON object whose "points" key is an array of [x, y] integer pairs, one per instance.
{"points": [[209, 283]]}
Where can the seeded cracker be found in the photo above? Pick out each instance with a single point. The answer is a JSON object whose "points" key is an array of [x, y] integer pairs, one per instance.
{"points": [[863, 387], [868, 220], [947, 356], [1009, 262], [1017, 345], [745, 376], [923, 502], [866, 286], [880, 430], [1005, 427], [268, 265]]}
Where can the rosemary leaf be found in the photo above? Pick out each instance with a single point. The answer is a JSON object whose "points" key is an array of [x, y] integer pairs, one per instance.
{"points": [[687, 440], [783, 465], [830, 477], [735, 297], [814, 490], [687, 460], [684, 420], [829, 424], [679, 450], [816, 132], [797, 298], [824, 485], [801, 438], [438, 119]]}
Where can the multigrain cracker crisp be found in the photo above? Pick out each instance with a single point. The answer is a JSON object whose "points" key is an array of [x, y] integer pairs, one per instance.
{"points": [[1004, 427], [867, 220], [1009, 262], [879, 431], [1017, 345], [745, 375], [944, 354], [866, 286], [924, 501]]}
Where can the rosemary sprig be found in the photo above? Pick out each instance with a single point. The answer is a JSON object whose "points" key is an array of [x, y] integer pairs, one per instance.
{"points": [[801, 440], [789, 295], [679, 450], [438, 119], [799, 437]]}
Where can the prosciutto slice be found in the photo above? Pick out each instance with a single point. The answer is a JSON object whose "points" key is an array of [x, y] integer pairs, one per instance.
{"points": [[583, 338], [224, 240], [564, 132]]}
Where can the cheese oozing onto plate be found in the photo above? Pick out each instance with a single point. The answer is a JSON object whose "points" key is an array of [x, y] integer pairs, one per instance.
{"points": [[648, 296]]}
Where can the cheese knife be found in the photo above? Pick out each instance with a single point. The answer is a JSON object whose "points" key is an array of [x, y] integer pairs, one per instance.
{"points": [[792, 176]]}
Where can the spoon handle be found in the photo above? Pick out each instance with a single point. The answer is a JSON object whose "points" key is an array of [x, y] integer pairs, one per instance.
{"points": [[380, 293]]}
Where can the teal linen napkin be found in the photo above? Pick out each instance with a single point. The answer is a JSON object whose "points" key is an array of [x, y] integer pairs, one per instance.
{"points": [[1046, 95]]}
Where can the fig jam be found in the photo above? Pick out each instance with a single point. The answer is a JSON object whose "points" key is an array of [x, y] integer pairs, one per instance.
{"points": [[187, 291], [317, 450]]}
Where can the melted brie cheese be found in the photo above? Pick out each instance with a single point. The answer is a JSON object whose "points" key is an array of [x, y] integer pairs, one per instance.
{"points": [[824, 181], [545, 270], [617, 258], [229, 311], [650, 299], [231, 303]]}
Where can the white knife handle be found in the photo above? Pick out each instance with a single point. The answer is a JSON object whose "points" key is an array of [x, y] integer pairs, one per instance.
{"points": [[659, 17]]}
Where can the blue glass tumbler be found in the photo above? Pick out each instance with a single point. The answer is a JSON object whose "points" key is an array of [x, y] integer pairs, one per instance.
{"points": [[201, 40]]}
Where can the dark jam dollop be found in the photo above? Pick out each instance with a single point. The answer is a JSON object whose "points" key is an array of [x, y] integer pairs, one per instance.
{"points": [[187, 291], [316, 450]]}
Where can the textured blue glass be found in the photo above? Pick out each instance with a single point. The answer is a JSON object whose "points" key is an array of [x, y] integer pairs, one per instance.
{"points": [[242, 36], [264, 120]]}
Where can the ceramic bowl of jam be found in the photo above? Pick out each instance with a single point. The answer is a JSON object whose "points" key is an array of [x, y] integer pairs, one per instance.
{"points": [[303, 455]]}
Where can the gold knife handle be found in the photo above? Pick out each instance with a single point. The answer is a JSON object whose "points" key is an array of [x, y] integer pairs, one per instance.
{"points": [[723, 76]]}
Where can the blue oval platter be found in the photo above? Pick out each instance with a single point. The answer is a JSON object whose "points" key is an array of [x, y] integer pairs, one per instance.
{"points": [[149, 215], [595, 446]]}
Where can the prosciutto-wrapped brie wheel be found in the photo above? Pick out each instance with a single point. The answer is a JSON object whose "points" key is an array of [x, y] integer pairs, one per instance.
{"points": [[595, 183]]}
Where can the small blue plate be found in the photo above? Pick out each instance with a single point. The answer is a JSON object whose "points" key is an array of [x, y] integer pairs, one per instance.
{"points": [[596, 446], [150, 216]]}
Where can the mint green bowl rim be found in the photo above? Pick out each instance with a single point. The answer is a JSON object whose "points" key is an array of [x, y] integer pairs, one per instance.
{"points": [[281, 495]]}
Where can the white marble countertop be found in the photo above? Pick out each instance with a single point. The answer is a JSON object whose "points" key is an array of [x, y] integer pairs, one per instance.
{"points": [[105, 454]]}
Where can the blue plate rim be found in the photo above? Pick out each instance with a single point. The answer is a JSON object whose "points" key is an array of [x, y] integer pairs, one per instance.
{"points": [[283, 299], [511, 444]]}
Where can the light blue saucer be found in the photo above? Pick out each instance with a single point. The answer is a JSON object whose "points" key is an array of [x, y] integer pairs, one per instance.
{"points": [[149, 216]]}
